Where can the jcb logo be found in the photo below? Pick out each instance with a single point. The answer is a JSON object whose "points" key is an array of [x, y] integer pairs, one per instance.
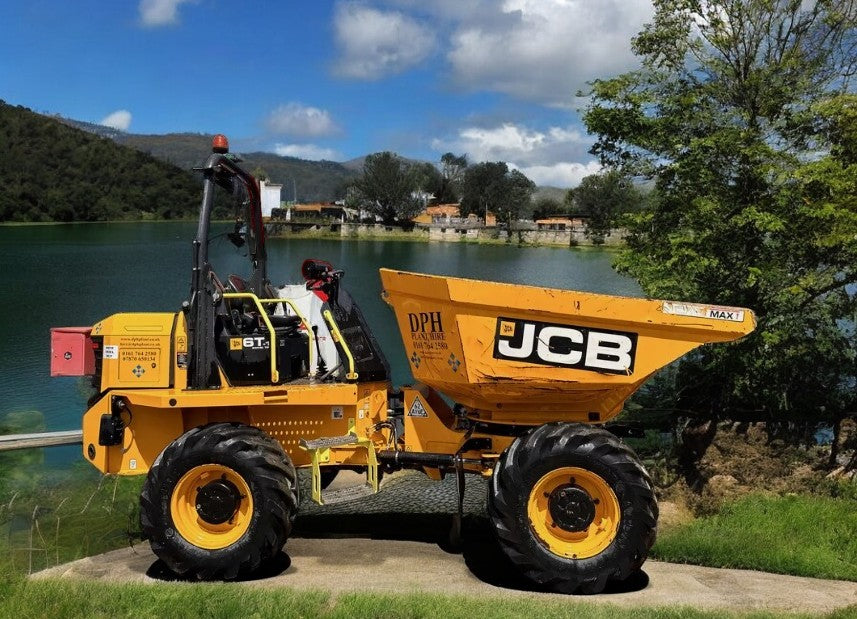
{"points": [[565, 346]]}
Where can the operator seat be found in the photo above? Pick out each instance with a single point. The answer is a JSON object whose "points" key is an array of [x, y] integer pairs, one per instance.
{"points": [[238, 284]]}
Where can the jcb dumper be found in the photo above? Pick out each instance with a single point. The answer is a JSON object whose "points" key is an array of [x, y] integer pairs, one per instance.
{"points": [[220, 402]]}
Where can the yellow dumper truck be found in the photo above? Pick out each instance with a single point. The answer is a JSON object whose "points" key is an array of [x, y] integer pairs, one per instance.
{"points": [[220, 402]]}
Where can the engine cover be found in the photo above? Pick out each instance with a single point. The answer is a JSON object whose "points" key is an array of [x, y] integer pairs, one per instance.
{"points": [[246, 359]]}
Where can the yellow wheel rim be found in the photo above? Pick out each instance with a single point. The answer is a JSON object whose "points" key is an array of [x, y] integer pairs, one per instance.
{"points": [[186, 514], [573, 512]]}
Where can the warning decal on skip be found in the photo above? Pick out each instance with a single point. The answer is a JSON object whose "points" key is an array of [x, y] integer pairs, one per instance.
{"points": [[417, 409]]}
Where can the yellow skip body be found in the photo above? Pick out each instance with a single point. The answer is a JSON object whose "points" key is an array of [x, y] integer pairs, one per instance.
{"points": [[521, 354]]}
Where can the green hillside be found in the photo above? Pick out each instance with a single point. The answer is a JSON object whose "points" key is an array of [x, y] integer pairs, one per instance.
{"points": [[52, 172], [184, 150], [315, 181]]}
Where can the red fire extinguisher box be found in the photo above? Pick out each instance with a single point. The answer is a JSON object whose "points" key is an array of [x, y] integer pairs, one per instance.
{"points": [[71, 352]]}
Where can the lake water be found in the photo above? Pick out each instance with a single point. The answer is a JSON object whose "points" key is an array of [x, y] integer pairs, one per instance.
{"points": [[75, 275]]}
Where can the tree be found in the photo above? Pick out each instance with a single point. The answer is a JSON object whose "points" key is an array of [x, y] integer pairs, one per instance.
{"points": [[452, 174], [518, 197], [491, 186], [740, 115], [387, 183], [427, 180], [260, 174], [602, 198], [483, 187], [51, 171]]}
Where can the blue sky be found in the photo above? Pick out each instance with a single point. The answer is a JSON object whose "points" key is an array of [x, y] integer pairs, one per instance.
{"points": [[494, 79]]}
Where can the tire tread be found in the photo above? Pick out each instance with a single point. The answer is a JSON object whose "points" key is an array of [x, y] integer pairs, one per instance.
{"points": [[508, 496], [265, 466]]}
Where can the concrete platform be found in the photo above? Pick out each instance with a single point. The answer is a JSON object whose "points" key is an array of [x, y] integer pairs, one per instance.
{"points": [[397, 541], [349, 564]]}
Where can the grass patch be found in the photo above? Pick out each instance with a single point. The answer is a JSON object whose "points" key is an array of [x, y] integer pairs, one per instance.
{"points": [[53, 518], [54, 598], [24, 599], [417, 605], [800, 535]]}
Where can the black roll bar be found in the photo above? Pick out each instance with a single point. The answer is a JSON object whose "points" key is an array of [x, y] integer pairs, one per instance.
{"points": [[219, 169]]}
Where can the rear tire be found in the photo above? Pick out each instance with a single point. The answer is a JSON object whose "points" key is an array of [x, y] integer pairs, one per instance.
{"points": [[218, 501], [573, 507]]}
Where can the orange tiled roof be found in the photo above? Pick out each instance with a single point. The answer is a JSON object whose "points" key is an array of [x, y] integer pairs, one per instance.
{"points": [[443, 209], [554, 220]]}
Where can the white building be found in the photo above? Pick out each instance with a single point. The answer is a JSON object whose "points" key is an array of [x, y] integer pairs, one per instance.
{"points": [[270, 193]]}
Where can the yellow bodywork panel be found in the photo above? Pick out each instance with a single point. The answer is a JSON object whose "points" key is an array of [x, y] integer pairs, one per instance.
{"points": [[148, 431], [521, 354], [145, 360], [429, 422], [431, 427], [289, 413], [137, 350]]}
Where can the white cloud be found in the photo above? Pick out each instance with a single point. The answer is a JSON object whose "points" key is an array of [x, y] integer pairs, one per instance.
{"points": [[447, 9], [307, 151], [510, 141], [561, 174], [556, 156], [537, 50], [297, 120], [374, 43], [544, 50], [120, 119], [155, 13], [514, 143]]}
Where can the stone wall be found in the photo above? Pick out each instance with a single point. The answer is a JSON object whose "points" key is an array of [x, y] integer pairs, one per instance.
{"points": [[380, 231], [575, 236], [446, 233], [559, 238]]}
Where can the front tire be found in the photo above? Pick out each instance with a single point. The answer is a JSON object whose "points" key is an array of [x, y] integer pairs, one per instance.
{"points": [[573, 507], [218, 501]]}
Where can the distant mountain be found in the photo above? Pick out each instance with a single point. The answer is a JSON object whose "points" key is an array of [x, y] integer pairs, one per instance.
{"points": [[315, 181], [99, 130], [308, 181], [51, 171], [356, 164], [546, 191], [185, 150], [312, 181]]}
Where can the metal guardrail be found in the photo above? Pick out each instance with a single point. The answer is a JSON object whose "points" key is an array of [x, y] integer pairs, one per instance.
{"points": [[41, 439]]}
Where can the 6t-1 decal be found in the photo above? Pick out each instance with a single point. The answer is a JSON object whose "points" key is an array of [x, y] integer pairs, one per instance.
{"points": [[565, 346]]}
